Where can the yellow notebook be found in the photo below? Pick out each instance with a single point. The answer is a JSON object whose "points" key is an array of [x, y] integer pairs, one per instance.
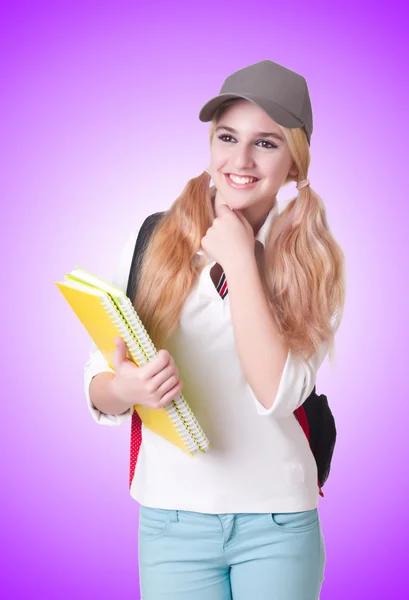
{"points": [[106, 312]]}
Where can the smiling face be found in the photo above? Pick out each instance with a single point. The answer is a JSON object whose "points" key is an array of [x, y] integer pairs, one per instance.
{"points": [[240, 146]]}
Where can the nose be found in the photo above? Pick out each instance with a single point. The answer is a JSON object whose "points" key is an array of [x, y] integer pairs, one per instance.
{"points": [[243, 158]]}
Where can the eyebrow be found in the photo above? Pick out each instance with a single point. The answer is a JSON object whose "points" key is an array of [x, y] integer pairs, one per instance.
{"points": [[257, 133]]}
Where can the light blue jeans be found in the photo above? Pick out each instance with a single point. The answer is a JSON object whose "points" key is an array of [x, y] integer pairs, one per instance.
{"points": [[264, 556]]}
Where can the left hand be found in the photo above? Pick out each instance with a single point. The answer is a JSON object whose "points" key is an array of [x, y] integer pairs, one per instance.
{"points": [[229, 237]]}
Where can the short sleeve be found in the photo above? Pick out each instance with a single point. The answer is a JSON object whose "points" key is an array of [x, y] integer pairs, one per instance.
{"points": [[96, 362], [296, 384]]}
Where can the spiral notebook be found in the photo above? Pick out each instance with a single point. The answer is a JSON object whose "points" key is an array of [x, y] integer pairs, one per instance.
{"points": [[106, 312]]}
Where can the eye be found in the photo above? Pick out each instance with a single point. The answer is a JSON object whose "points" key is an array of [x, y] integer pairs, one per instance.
{"points": [[270, 144], [225, 136]]}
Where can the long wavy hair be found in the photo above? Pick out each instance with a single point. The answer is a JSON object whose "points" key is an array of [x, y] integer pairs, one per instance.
{"points": [[303, 263]]}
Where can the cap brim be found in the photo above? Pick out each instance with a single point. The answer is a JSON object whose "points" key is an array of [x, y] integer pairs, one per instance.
{"points": [[275, 111]]}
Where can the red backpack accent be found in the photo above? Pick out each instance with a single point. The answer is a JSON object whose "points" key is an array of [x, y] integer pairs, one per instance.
{"points": [[136, 441]]}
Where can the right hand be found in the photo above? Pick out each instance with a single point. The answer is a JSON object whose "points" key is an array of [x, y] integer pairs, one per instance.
{"points": [[154, 384]]}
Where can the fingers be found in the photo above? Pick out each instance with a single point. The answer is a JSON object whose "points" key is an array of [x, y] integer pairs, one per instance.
{"points": [[164, 381], [156, 382], [161, 360], [170, 380], [171, 395]]}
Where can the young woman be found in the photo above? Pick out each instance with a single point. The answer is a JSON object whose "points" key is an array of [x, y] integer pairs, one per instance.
{"points": [[243, 299]]}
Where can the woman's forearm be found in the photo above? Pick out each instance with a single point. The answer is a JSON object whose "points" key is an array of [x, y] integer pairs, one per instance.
{"points": [[262, 352], [102, 394]]}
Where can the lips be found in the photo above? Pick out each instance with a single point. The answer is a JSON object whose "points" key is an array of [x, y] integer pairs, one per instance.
{"points": [[244, 176], [239, 186]]}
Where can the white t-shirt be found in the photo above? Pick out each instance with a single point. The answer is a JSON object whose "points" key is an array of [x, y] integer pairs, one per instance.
{"points": [[259, 459]]}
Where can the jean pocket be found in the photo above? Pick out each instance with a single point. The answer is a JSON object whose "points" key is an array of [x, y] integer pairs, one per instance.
{"points": [[153, 522], [296, 522]]}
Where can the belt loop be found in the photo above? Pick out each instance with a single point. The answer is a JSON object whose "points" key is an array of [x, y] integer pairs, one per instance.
{"points": [[174, 516]]}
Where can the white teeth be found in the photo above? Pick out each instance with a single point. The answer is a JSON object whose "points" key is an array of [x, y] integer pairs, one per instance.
{"points": [[242, 180]]}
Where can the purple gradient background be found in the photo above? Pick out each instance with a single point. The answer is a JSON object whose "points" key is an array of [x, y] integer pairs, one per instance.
{"points": [[100, 128]]}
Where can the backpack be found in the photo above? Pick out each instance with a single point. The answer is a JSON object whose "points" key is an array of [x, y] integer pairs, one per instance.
{"points": [[314, 415]]}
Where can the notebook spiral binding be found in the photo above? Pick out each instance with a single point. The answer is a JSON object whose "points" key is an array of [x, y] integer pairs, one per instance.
{"points": [[179, 404], [139, 356], [142, 351]]}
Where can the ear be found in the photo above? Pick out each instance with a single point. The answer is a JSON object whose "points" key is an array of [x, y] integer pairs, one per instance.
{"points": [[293, 170]]}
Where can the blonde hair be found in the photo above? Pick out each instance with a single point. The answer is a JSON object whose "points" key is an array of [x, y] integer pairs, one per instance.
{"points": [[303, 266]]}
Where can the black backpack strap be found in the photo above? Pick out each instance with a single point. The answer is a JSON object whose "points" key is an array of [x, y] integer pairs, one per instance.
{"points": [[323, 432], [141, 244]]}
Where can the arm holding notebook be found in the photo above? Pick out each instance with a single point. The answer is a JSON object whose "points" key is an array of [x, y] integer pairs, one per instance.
{"points": [[154, 384], [112, 393], [103, 397], [97, 372]]}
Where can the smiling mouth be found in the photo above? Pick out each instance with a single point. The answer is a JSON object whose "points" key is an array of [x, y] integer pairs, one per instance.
{"points": [[241, 178], [240, 182]]}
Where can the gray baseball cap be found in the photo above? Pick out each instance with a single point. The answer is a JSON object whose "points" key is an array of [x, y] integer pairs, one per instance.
{"points": [[281, 93]]}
